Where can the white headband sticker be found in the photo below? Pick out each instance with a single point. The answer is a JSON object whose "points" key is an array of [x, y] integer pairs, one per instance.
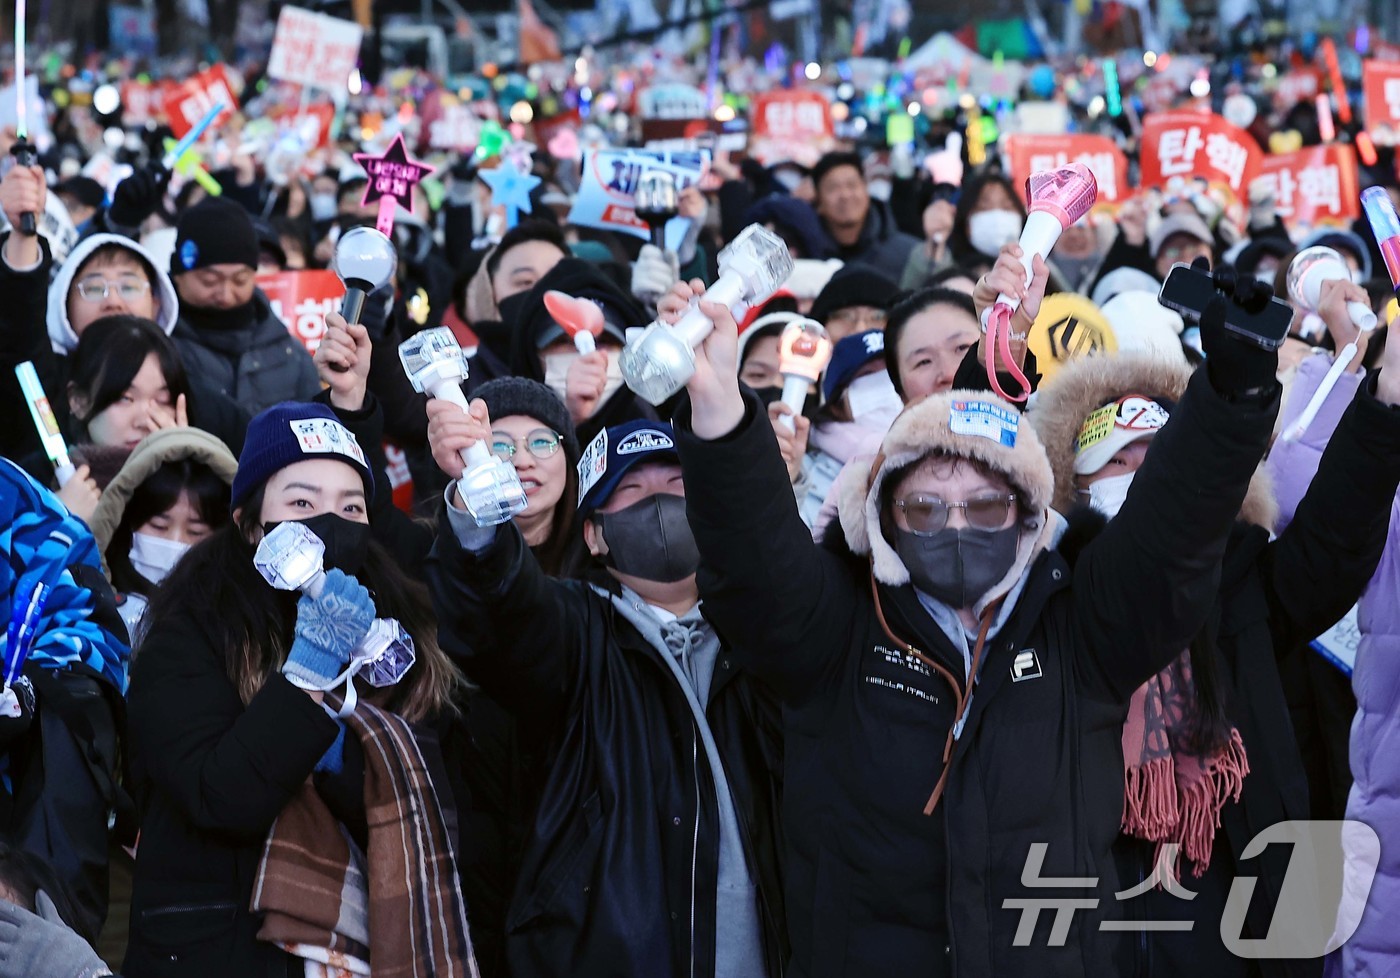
{"points": [[593, 464], [322, 436], [983, 420]]}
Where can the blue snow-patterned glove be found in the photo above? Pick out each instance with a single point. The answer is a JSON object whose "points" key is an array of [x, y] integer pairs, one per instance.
{"points": [[328, 629]]}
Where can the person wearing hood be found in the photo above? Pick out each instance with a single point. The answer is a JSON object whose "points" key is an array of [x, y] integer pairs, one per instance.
{"points": [[653, 849], [796, 223], [524, 256], [953, 692], [171, 493], [1220, 705], [591, 384], [227, 333], [862, 228], [858, 404]]}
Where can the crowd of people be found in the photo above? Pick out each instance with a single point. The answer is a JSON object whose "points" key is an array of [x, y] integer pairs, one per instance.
{"points": [[847, 686]]}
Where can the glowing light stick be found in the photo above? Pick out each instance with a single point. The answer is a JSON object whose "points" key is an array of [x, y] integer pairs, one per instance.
{"points": [[44, 421], [658, 363], [1339, 86], [803, 353], [579, 318], [1385, 225], [1057, 199], [1325, 127], [22, 150], [1113, 94], [172, 155], [490, 488]]}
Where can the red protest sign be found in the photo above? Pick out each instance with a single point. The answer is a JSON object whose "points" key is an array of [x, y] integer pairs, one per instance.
{"points": [[1317, 185], [1196, 144], [1033, 153], [187, 103], [321, 116], [302, 300], [790, 124], [1297, 86], [1380, 86]]}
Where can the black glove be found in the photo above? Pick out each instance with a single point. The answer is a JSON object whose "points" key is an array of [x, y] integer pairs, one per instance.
{"points": [[138, 196], [1237, 367]]}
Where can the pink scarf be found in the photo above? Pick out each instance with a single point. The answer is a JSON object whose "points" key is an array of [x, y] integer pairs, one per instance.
{"points": [[1173, 793]]}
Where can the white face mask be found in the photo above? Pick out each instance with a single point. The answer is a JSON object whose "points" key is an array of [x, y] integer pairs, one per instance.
{"points": [[1107, 495], [872, 401], [323, 206], [556, 373], [989, 230], [879, 189], [155, 557]]}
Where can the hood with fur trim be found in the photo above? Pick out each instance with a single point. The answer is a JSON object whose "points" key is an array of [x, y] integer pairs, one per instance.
{"points": [[928, 427], [1083, 386], [166, 445], [61, 334]]}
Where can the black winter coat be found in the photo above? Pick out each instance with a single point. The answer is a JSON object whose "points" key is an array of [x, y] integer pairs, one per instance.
{"points": [[875, 887], [619, 870], [1275, 595]]}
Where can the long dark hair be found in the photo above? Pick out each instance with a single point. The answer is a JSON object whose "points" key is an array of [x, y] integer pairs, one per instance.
{"points": [[964, 254], [209, 496], [251, 623], [109, 355], [561, 555], [24, 874]]}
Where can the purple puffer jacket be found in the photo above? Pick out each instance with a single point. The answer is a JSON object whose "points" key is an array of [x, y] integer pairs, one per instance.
{"points": [[1374, 948]]}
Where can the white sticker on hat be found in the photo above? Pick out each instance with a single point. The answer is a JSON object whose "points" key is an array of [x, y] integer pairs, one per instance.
{"points": [[1139, 413], [322, 436], [983, 420], [874, 342], [593, 464], [645, 440]]}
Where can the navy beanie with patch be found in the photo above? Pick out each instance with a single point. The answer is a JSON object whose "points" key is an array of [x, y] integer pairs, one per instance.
{"points": [[291, 432]]}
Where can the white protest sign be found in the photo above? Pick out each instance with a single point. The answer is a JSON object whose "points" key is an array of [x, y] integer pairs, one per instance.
{"points": [[605, 195], [314, 49]]}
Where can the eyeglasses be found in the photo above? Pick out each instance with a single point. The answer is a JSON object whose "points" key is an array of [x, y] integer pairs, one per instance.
{"points": [[541, 443], [855, 316], [926, 515], [97, 289]]}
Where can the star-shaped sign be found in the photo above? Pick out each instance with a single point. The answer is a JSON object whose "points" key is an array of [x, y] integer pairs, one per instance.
{"points": [[392, 178], [510, 188]]}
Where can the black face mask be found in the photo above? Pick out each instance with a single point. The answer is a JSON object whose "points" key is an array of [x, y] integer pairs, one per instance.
{"points": [[810, 406], [958, 566], [651, 539], [347, 542], [220, 320]]}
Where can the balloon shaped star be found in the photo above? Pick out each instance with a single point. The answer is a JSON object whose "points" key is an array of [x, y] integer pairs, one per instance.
{"points": [[510, 188], [392, 178]]}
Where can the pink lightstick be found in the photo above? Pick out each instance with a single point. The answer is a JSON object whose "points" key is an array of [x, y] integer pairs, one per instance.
{"points": [[803, 353], [1057, 199], [580, 318]]}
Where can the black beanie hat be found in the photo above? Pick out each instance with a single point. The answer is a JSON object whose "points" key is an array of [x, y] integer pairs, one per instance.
{"points": [[516, 395], [214, 232], [854, 285]]}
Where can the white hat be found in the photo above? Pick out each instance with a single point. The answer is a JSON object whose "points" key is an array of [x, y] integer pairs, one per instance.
{"points": [[1142, 325], [1123, 280], [1115, 426]]}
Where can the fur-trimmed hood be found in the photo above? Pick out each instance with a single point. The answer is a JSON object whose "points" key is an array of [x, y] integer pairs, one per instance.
{"points": [[927, 427], [1082, 386]]}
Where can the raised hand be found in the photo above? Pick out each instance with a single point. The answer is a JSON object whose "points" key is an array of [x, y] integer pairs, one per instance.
{"points": [[584, 385], [451, 431], [342, 362]]}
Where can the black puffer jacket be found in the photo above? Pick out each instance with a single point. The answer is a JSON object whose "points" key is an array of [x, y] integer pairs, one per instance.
{"points": [[875, 886], [620, 863]]}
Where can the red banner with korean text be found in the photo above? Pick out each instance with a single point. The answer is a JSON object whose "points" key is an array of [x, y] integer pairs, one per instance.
{"points": [[302, 300], [1197, 144], [790, 124], [186, 103], [1380, 87], [1030, 154], [1315, 186]]}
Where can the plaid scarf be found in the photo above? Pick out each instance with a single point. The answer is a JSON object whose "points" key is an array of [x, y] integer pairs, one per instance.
{"points": [[399, 904], [1173, 792]]}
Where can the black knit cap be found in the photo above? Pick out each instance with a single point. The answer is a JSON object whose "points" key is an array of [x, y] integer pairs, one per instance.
{"points": [[516, 395], [214, 232], [854, 285]]}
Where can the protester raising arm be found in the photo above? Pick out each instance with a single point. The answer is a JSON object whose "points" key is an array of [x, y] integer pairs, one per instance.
{"points": [[24, 282], [511, 629], [745, 519]]}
